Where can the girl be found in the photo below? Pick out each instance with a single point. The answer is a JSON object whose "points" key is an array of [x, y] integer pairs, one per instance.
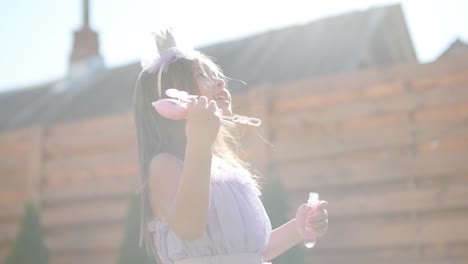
{"points": [[199, 202]]}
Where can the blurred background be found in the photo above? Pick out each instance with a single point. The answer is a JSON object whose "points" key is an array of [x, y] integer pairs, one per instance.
{"points": [[365, 102]]}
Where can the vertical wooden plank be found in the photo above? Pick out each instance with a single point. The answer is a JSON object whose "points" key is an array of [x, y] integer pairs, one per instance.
{"points": [[34, 180]]}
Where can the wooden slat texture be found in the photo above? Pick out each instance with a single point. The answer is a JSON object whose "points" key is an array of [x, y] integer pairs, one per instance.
{"points": [[368, 122], [11, 197], [445, 145], [457, 112], [13, 177], [357, 109], [11, 211], [444, 253], [358, 259], [306, 101], [81, 145], [399, 230], [454, 68], [13, 162], [8, 232], [14, 136], [339, 143], [418, 91], [433, 100], [89, 257], [88, 190], [389, 157], [399, 200], [435, 130], [13, 151], [116, 172], [15, 148], [86, 239], [331, 145], [446, 80], [424, 123], [371, 168], [91, 167], [71, 141], [415, 260], [96, 159], [100, 125], [84, 213], [422, 251]]}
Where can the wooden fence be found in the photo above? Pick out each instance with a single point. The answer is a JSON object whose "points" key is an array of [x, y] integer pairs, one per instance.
{"points": [[81, 175], [386, 147]]}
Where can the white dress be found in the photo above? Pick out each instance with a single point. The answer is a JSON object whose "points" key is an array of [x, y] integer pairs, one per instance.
{"points": [[237, 230]]}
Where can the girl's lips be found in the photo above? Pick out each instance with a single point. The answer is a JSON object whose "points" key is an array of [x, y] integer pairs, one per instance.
{"points": [[225, 105]]}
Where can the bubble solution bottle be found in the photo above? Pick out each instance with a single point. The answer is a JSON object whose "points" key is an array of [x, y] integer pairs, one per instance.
{"points": [[309, 233]]}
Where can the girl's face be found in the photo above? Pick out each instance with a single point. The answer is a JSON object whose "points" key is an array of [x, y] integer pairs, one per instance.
{"points": [[212, 86]]}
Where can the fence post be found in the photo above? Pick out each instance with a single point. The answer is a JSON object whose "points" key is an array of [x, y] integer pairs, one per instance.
{"points": [[35, 170]]}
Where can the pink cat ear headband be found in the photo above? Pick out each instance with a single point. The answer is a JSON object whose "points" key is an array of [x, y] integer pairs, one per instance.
{"points": [[176, 107]]}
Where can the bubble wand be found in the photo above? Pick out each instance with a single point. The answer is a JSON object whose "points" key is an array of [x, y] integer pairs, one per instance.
{"points": [[175, 108]]}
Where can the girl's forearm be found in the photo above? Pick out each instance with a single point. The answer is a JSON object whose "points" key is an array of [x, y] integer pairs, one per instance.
{"points": [[193, 195], [282, 239]]}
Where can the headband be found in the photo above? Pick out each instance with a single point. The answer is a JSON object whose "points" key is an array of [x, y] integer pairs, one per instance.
{"points": [[166, 52]]}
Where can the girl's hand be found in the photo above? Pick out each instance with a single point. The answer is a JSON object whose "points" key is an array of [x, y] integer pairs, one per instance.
{"points": [[317, 220], [203, 120]]}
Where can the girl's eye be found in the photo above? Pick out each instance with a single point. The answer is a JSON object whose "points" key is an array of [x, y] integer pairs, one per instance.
{"points": [[204, 75]]}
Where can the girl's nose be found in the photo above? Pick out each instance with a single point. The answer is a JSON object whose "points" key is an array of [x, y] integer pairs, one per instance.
{"points": [[219, 83]]}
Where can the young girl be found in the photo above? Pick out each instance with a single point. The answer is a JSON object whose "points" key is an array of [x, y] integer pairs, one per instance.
{"points": [[200, 204]]}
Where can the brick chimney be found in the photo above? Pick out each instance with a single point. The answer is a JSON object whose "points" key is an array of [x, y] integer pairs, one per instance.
{"points": [[86, 43], [85, 52]]}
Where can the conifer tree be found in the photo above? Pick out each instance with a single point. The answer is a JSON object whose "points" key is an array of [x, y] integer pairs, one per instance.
{"points": [[29, 247], [275, 199], [130, 251]]}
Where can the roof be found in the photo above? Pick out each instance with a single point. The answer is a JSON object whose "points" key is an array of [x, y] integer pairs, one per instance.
{"points": [[457, 48], [331, 45], [342, 43]]}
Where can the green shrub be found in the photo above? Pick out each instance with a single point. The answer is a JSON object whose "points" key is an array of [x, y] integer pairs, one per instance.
{"points": [[29, 246], [275, 200], [131, 252]]}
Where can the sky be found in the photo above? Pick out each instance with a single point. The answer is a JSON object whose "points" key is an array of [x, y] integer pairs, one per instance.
{"points": [[37, 35]]}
